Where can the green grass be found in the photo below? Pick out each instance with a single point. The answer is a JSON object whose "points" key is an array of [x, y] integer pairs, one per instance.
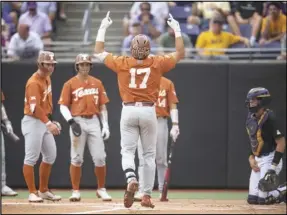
{"points": [[216, 195]]}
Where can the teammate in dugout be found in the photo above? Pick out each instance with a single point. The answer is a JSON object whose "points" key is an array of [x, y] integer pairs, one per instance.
{"points": [[5, 191], [82, 100], [267, 144], [166, 106], [139, 81], [38, 128]]}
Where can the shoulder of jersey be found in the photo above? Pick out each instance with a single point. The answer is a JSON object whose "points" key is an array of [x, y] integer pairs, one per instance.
{"points": [[95, 79]]}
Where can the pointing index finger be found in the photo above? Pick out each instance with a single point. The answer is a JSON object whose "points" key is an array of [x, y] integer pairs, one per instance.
{"points": [[170, 16], [108, 14]]}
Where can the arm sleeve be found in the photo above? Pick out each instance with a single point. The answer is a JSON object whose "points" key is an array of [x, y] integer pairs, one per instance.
{"points": [[114, 62], [167, 62], [65, 112], [172, 98], [103, 95], [33, 98]]}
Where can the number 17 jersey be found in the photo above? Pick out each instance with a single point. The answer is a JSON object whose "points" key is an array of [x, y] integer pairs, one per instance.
{"points": [[139, 80]]}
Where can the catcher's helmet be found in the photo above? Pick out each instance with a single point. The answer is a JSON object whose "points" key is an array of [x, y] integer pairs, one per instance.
{"points": [[140, 47], [83, 58], [261, 94]]}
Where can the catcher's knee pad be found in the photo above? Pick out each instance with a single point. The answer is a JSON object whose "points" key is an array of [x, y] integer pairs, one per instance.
{"points": [[252, 200]]}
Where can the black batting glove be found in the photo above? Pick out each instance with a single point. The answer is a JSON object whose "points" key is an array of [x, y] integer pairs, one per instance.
{"points": [[76, 128]]}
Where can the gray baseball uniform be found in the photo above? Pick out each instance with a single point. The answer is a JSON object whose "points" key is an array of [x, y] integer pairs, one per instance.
{"points": [[167, 96], [139, 82]]}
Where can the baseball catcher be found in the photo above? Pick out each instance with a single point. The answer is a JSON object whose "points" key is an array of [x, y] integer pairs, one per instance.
{"points": [[267, 148], [7, 125]]}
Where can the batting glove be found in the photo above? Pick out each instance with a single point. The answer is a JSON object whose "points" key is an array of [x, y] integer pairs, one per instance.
{"points": [[174, 132], [8, 126], [173, 24], [76, 128], [105, 132], [106, 22]]}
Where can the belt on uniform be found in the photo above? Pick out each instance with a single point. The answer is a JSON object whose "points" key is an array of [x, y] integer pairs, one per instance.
{"points": [[149, 104], [87, 116]]}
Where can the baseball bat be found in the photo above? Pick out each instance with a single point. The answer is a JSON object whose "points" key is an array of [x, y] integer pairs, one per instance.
{"points": [[12, 136], [167, 173]]}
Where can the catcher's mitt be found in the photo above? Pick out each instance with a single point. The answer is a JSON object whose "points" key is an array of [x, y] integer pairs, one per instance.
{"points": [[269, 182]]}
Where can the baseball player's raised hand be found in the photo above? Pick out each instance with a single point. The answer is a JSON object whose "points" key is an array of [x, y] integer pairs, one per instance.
{"points": [[106, 22], [173, 23], [105, 132], [174, 132]]}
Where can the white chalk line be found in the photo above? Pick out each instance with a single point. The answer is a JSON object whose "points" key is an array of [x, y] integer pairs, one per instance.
{"points": [[97, 211]]}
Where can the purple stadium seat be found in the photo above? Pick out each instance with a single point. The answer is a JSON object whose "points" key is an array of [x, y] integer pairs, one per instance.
{"points": [[245, 30], [238, 45], [189, 29], [179, 12]]}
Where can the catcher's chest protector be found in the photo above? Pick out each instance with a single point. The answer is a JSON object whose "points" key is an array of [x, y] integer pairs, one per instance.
{"points": [[254, 130]]}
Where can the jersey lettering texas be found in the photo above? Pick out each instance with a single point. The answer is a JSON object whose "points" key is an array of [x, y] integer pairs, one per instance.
{"points": [[80, 92]]}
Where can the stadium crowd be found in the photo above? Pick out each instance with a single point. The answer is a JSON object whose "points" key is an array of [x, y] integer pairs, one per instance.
{"points": [[27, 26], [213, 25]]}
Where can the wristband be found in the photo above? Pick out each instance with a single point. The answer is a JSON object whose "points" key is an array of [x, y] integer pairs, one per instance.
{"points": [[177, 34], [277, 158], [174, 115], [101, 35], [48, 123]]}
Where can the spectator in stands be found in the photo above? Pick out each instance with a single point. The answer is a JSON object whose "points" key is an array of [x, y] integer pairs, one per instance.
{"points": [[24, 44], [151, 26], [135, 30], [193, 19], [4, 33], [179, 3], [208, 9], [249, 13], [61, 11], [39, 22], [215, 38], [10, 14], [158, 9], [167, 40], [274, 25], [49, 8]]}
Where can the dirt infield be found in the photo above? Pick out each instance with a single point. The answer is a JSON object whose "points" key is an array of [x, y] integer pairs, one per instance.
{"points": [[183, 206]]}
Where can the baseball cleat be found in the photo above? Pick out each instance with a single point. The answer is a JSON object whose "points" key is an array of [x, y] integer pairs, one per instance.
{"points": [[146, 202], [7, 191], [138, 197], [48, 195], [102, 194], [130, 192], [34, 198], [76, 196], [162, 199]]}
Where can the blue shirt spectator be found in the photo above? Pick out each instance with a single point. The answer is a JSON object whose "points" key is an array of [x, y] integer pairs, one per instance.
{"points": [[39, 22], [49, 8], [151, 26]]}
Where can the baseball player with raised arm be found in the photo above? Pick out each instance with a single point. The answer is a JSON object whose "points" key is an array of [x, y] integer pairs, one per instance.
{"points": [[5, 191], [139, 82], [166, 106], [82, 102], [38, 128], [267, 148]]}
